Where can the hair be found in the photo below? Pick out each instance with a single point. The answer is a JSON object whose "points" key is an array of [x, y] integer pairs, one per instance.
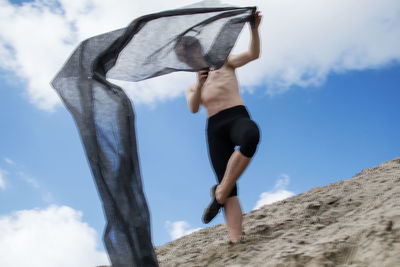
{"points": [[185, 45]]}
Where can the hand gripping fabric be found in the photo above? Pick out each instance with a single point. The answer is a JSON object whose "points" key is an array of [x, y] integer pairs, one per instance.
{"points": [[150, 46]]}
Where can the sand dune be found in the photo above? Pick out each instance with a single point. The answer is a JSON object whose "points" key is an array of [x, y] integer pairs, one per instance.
{"points": [[354, 222]]}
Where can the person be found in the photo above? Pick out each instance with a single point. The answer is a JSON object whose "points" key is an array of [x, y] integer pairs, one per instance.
{"points": [[228, 124]]}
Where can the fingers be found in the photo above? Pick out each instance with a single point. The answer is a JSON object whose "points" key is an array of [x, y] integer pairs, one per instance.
{"points": [[258, 15], [257, 18], [255, 21], [202, 76], [203, 73]]}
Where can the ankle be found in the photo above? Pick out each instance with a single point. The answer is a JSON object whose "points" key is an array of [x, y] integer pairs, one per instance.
{"points": [[219, 195]]}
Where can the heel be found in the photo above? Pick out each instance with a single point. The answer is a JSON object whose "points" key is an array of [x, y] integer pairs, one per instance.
{"points": [[212, 191]]}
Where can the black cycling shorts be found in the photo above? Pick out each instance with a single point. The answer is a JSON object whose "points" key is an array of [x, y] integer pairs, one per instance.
{"points": [[227, 129]]}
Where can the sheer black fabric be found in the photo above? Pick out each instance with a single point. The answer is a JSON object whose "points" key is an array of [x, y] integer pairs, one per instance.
{"points": [[150, 46]]}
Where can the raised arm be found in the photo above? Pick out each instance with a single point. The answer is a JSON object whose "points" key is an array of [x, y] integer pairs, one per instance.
{"points": [[253, 53]]}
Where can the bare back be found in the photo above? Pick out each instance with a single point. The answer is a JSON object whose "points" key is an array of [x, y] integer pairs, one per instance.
{"points": [[221, 90]]}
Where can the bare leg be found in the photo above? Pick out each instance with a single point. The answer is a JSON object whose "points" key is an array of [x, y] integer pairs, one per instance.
{"points": [[236, 165], [233, 218], [233, 213]]}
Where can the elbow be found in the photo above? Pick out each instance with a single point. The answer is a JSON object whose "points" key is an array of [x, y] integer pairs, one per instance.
{"points": [[255, 56], [194, 110]]}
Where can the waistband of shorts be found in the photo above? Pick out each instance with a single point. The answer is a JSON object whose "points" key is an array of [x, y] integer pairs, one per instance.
{"points": [[229, 112]]}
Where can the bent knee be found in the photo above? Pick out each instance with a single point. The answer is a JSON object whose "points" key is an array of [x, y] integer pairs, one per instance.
{"points": [[251, 138]]}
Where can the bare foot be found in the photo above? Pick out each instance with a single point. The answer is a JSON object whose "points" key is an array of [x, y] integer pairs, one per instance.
{"points": [[234, 241]]}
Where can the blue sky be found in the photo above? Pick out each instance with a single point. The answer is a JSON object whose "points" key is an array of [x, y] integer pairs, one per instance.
{"points": [[314, 131], [316, 136]]}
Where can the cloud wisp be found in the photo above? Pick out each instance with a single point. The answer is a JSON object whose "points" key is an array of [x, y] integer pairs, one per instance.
{"points": [[16, 170], [2, 179], [30, 180], [9, 161]]}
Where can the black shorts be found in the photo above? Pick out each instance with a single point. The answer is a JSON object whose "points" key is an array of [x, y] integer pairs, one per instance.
{"points": [[227, 129]]}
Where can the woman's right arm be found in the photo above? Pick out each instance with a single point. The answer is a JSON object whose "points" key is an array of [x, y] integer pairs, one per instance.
{"points": [[193, 92]]}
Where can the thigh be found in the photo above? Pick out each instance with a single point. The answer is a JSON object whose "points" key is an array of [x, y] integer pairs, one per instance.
{"points": [[220, 149], [242, 129]]}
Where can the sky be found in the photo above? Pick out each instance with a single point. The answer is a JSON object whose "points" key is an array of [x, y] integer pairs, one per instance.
{"points": [[324, 94]]}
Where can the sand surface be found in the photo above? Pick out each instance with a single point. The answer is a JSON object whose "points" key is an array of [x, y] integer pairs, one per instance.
{"points": [[354, 222]]}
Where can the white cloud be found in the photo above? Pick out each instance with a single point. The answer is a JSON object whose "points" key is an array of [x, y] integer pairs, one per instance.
{"points": [[2, 181], [179, 229], [302, 41], [50, 237], [37, 37], [279, 192]]}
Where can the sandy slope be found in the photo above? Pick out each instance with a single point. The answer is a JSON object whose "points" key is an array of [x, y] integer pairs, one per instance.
{"points": [[354, 222]]}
